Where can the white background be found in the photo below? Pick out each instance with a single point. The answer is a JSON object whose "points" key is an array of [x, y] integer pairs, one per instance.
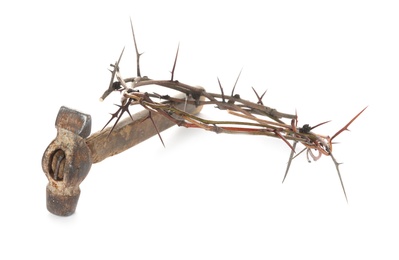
{"points": [[205, 196]]}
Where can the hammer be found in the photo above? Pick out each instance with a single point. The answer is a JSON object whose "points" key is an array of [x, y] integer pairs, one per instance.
{"points": [[67, 160]]}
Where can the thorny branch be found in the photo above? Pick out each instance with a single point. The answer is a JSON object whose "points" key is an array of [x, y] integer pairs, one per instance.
{"points": [[256, 118]]}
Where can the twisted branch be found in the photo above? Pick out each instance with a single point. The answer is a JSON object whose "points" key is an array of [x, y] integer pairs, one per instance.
{"points": [[256, 118]]}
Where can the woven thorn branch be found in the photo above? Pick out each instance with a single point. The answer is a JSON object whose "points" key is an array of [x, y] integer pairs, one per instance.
{"points": [[255, 117]]}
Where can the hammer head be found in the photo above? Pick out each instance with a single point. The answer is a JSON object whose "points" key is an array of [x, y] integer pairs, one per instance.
{"points": [[67, 161]]}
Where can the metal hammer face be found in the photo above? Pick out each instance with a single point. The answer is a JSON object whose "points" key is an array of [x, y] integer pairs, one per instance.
{"points": [[67, 161]]}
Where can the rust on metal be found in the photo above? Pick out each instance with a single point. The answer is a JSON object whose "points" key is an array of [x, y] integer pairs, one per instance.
{"points": [[68, 159]]}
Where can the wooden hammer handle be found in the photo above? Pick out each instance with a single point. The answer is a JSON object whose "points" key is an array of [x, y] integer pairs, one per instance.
{"points": [[129, 133]]}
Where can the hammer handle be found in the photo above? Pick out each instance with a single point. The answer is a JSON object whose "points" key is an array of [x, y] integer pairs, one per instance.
{"points": [[128, 133]]}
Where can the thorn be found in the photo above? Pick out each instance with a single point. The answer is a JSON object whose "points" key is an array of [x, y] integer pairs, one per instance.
{"points": [[113, 115], [137, 51], [320, 124], [284, 139], [347, 125], [339, 174], [113, 72], [221, 89], [118, 114], [290, 160], [259, 97], [239, 74], [156, 129], [174, 64]]}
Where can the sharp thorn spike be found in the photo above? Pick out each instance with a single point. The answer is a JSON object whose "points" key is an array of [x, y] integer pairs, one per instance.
{"points": [[290, 160], [137, 51], [156, 129], [260, 102], [235, 84], [347, 125], [221, 90], [339, 175], [113, 72], [320, 124], [174, 63]]}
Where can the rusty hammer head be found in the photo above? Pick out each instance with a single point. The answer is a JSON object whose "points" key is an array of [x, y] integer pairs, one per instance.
{"points": [[67, 161]]}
